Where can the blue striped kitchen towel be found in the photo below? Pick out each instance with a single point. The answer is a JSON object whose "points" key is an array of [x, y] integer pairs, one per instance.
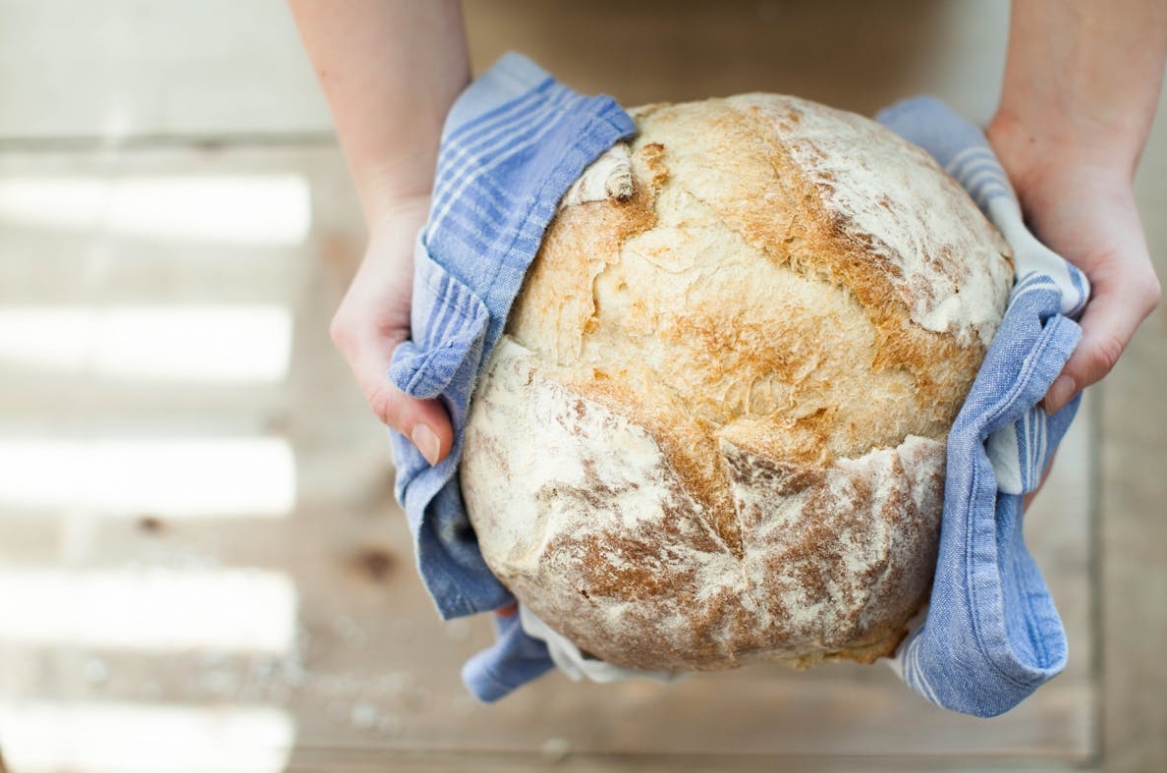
{"points": [[513, 144]]}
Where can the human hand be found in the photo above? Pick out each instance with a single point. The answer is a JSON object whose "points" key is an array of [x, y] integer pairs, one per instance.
{"points": [[1079, 202], [373, 319]]}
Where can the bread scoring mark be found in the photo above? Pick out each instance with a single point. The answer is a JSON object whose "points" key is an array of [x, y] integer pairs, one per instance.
{"points": [[835, 250], [688, 449], [885, 198]]}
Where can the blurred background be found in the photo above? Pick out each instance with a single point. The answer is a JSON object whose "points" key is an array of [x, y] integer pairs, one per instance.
{"points": [[201, 564]]}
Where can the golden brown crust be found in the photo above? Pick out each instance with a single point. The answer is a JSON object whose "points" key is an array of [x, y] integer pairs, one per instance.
{"points": [[792, 338]]}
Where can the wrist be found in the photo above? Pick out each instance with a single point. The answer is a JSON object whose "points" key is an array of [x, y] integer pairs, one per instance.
{"points": [[1033, 153], [1082, 78], [391, 190], [396, 211]]}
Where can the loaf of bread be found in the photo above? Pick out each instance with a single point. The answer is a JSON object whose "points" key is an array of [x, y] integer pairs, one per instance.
{"points": [[714, 430]]}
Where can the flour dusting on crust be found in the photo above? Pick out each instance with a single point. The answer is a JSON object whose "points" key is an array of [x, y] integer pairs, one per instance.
{"points": [[943, 258]]}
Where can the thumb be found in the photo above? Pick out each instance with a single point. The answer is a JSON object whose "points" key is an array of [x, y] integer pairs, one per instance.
{"points": [[424, 422]]}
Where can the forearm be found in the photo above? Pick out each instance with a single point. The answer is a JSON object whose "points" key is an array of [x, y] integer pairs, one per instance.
{"points": [[390, 70], [1085, 73], [1081, 86]]}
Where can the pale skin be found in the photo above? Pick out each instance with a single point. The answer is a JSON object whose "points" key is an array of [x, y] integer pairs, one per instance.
{"points": [[1081, 86]]}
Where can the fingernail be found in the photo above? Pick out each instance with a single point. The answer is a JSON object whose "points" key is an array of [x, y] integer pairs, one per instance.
{"points": [[1059, 394], [427, 442]]}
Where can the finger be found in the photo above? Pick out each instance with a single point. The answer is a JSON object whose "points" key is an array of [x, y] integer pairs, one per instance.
{"points": [[1108, 325], [424, 422]]}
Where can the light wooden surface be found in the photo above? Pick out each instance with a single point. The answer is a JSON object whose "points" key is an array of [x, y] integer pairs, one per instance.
{"points": [[370, 673], [366, 677]]}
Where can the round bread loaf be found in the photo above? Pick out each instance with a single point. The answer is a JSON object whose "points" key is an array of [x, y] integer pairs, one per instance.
{"points": [[714, 430]]}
